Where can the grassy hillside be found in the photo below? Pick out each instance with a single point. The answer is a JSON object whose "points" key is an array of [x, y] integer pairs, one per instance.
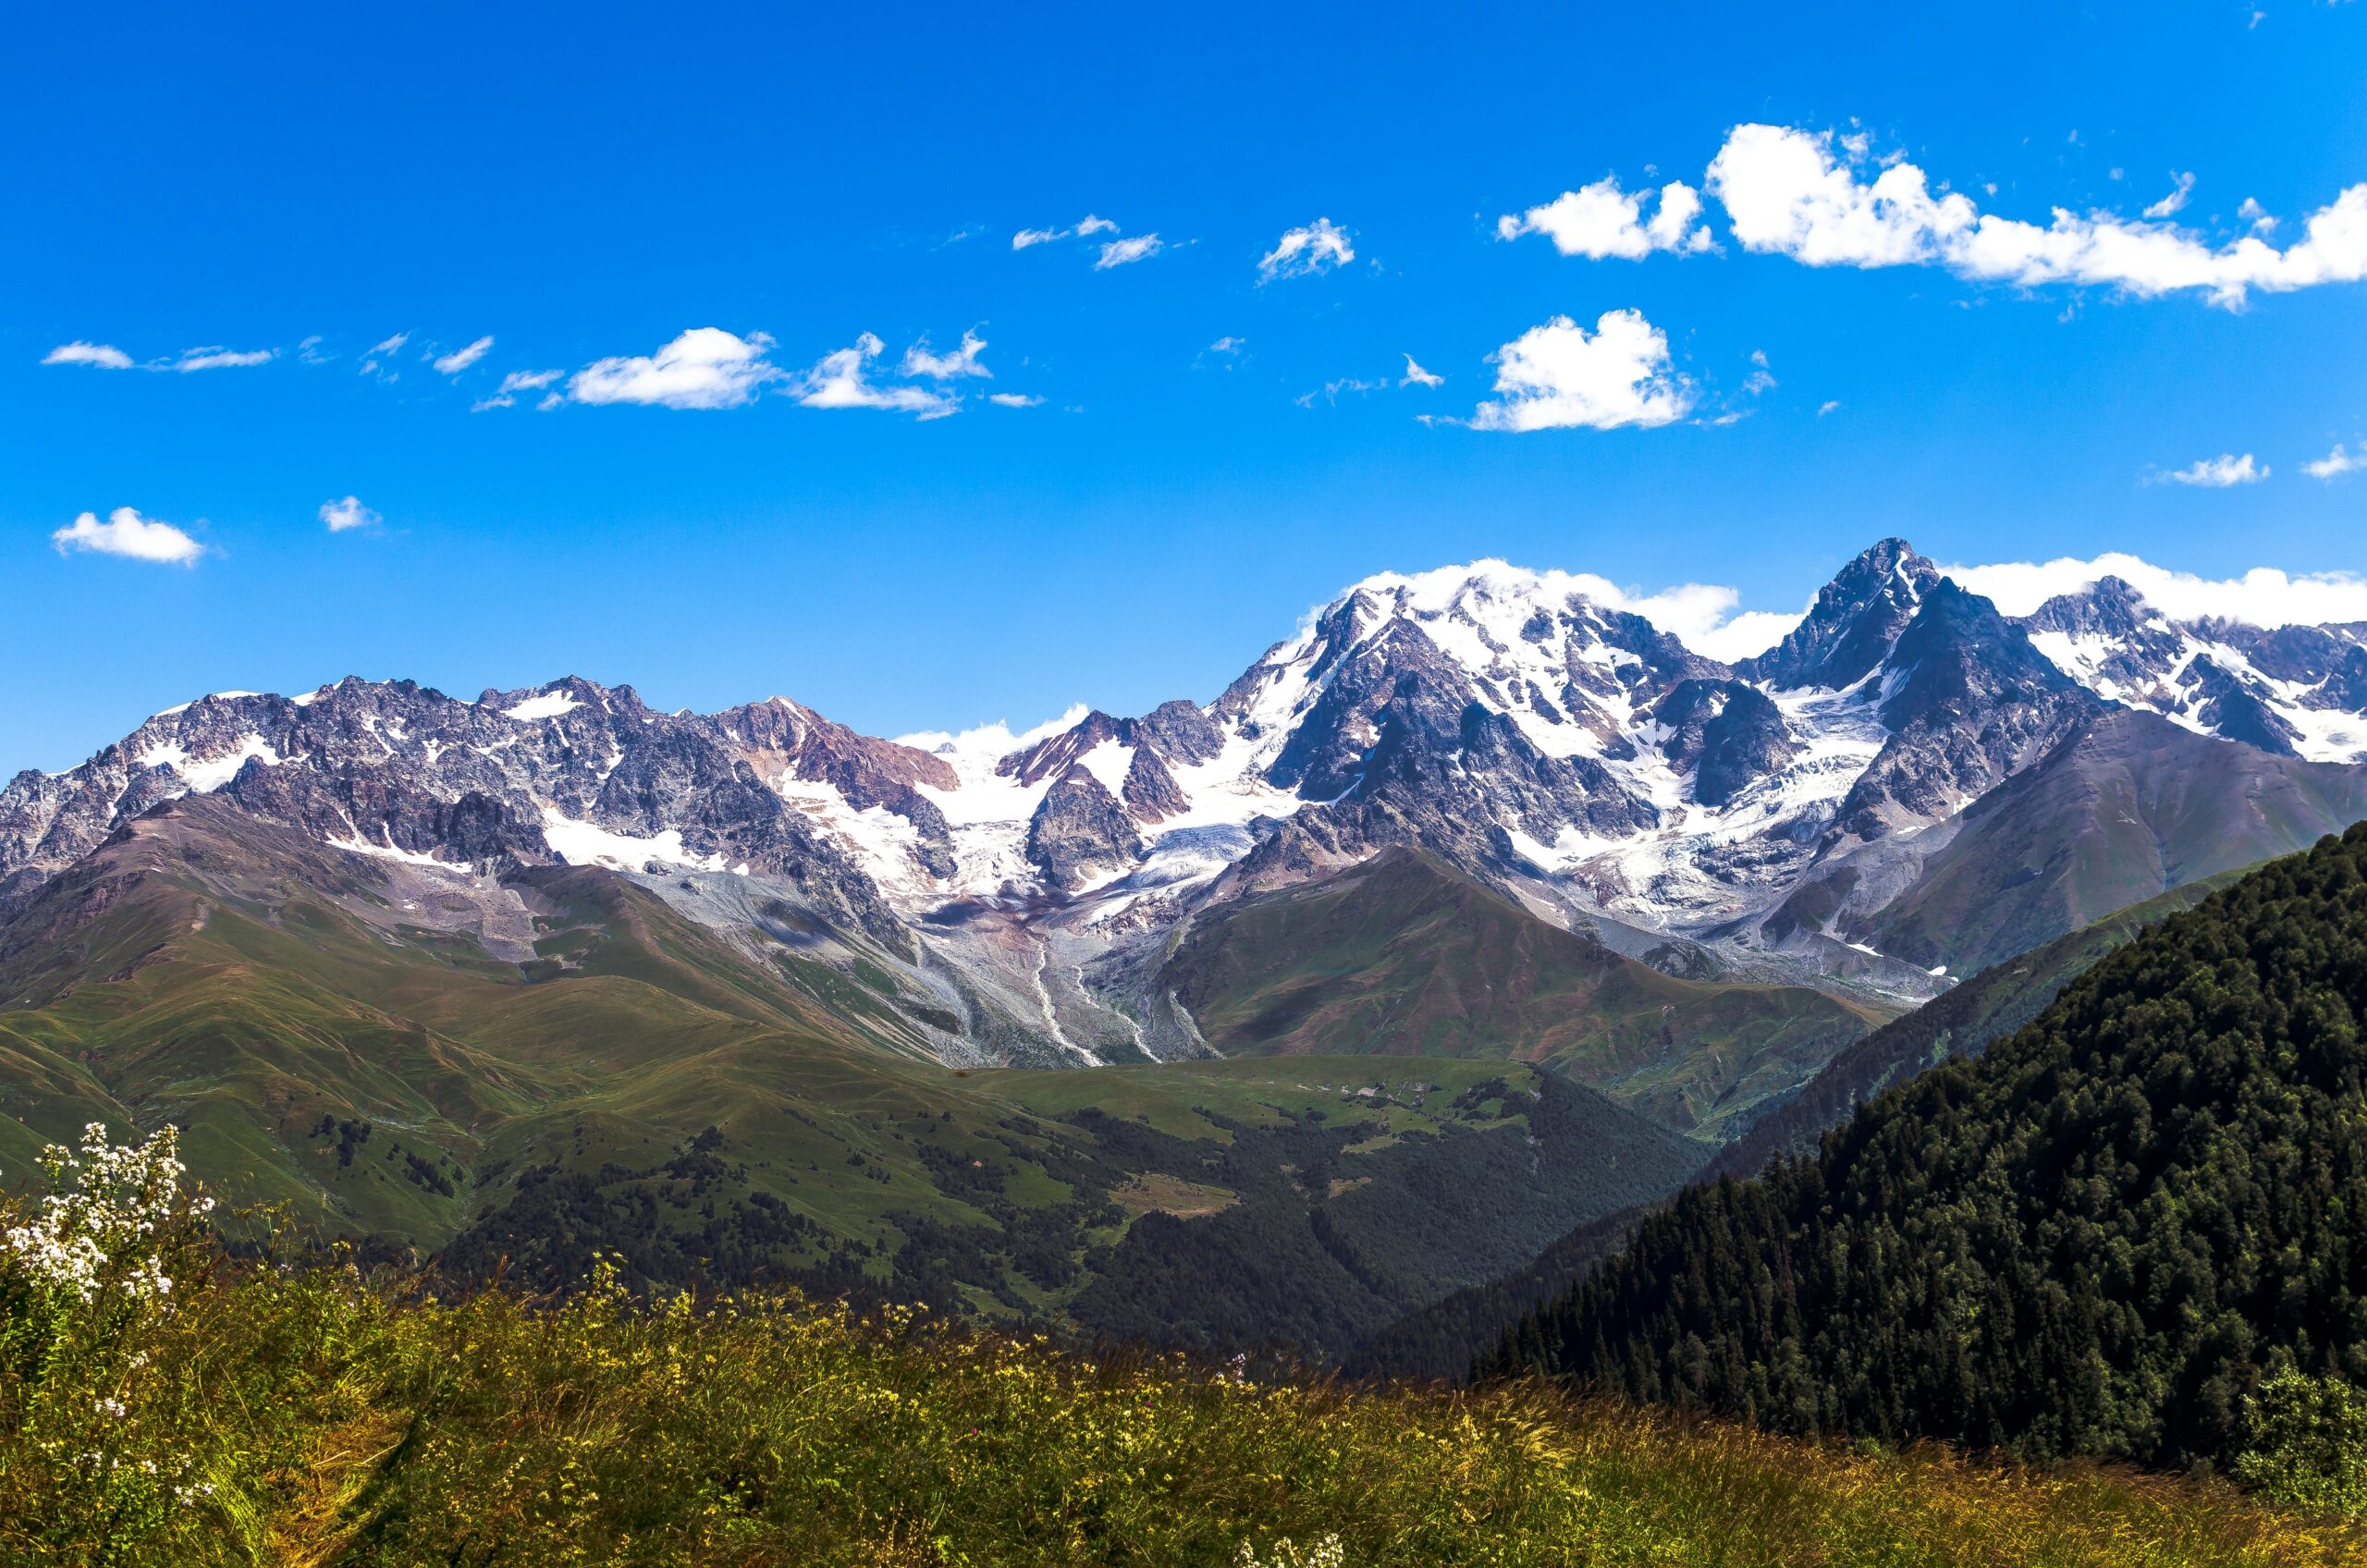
{"points": [[2128, 810], [1403, 956], [2101, 1237], [636, 1086], [314, 1418]]}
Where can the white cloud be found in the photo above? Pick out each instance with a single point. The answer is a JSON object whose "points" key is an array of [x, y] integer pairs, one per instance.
{"points": [[1301, 253], [2217, 474], [2263, 596], [1827, 406], [1786, 191], [1416, 376], [838, 382], [1228, 344], [1559, 376], [125, 532], [215, 357], [2336, 463], [1015, 400], [347, 513], [98, 356], [1136, 248], [704, 368], [2176, 199], [388, 345], [1600, 220], [518, 381], [459, 360], [309, 350], [2253, 212], [963, 362], [1084, 228], [992, 742]]}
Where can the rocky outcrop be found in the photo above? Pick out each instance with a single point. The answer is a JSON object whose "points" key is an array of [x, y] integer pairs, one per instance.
{"points": [[1080, 828]]}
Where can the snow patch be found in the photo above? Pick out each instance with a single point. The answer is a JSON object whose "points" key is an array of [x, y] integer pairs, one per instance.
{"points": [[550, 705]]}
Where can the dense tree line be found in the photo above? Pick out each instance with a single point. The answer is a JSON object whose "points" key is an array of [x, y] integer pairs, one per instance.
{"points": [[2096, 1239]]}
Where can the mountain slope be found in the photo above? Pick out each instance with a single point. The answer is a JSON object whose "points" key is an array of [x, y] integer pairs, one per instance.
{"points": [[513, 1074], [1402, 955], [2130, 808], [1442, 1339], [2095, 1239]]}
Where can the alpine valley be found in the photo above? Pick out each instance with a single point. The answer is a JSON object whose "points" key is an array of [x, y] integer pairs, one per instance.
{"points": [[1472, 914]]}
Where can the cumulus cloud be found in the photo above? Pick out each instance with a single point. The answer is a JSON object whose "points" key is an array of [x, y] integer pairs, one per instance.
{"points": [[125, 532], [2263, 596], [347, 512], [840, 381], [1601, 220], [459, 360], [1804, 195], [1135, 248], [2336, 463], [1301, 253], [1416, 376], [1559, 375], [98, 356], [1084, 228], [962, 362], [704, 368], [1014, 399], [2221, 472], [992, 740]]}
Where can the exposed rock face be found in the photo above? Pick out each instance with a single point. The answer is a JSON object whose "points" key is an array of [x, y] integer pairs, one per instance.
{"points": [[2293, 691], [1968, 702], [1856, 619], [1728, 733], [573, 770], [1079, 829]]}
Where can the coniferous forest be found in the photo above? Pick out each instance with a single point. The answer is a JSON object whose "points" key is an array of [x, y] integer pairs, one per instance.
{"points": [[2098, 1239]]}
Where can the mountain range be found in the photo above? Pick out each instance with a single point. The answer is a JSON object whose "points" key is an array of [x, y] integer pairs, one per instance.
{"points": [[1909, 786]]}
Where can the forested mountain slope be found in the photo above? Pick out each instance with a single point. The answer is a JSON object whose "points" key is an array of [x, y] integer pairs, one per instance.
{"points": [[2095, 1239]]}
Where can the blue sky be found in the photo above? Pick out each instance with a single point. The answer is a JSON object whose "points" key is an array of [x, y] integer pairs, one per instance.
{"points": [[586, 185]]}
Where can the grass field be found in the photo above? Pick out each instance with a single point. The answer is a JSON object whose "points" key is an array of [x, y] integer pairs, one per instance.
{"points": [[317, 1418]]}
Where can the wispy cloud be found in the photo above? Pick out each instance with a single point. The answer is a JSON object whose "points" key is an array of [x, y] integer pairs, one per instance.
{"points": [[1822, 202], [1084, 228], [1015, 400], [840, 381], [1416, 376], [98, 356], [1135, 248], [462, 358], [517, 381], [2221, 472], [1302, 253], [347, 512], [704, 368], [214, 357], [2183, 187], [962, 362], [128, 535], [1601, 220], [1562, 377]]}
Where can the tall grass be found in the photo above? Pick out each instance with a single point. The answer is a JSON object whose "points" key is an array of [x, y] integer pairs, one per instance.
{"points": [[260, 1414]]}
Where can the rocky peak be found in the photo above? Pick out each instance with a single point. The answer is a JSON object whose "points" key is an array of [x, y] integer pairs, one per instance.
{"points": [[2109, 606], [1856, 619]]}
